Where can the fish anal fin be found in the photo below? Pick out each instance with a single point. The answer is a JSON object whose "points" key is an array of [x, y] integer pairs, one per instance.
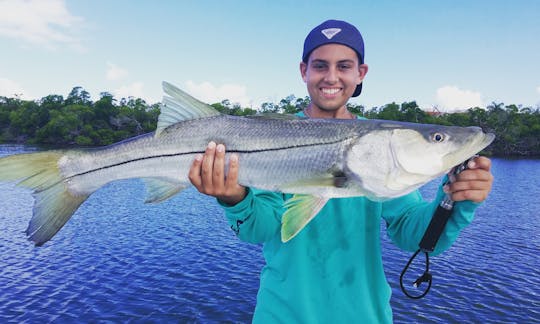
{"points": [[301, 209], [179, 106], [161, 189]]}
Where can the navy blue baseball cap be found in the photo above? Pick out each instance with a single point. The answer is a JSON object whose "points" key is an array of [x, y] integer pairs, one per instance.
{"points": [[335, 32]]}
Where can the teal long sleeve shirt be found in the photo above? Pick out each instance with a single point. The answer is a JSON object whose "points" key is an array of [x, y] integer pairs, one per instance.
{"points": [[332, 271]]}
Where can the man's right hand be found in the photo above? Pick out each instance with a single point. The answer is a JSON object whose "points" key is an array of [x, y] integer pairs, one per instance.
{"points": [[207, 174]]}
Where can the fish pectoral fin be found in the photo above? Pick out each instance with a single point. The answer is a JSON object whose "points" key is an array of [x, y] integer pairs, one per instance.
{"points": [[161, 189], [301, 209], [179, 106]]}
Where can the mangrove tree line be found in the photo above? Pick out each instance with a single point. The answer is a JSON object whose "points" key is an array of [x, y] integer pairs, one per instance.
{"points": [[77, 120]]}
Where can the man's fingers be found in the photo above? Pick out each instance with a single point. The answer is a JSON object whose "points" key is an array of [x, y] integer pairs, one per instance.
{"points": [[208, 165], [195, 172], [474, 174], [218, 175], [474, 183], [468, 185], [232, 175], [234, 193], [480, 162], [207, 174], [472, 195]]}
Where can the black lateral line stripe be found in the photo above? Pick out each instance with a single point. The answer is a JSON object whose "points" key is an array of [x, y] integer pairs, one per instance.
{"points": [[195, 152]]}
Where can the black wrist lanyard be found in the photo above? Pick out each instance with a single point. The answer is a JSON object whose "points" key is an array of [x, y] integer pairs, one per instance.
{"points": [[432, 235]]}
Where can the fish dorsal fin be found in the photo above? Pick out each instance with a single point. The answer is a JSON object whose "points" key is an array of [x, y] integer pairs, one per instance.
{"points": [[178, 106], [160, 189], [301, 209]]}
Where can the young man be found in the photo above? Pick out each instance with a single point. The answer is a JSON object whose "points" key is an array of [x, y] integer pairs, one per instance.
{"points": [[332, 271]]}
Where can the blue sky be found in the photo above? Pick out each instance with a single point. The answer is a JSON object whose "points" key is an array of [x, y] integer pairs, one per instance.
{"points": [[449, 54]]}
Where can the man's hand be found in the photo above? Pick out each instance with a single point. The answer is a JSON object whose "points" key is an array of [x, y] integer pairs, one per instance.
{"points": [[207, 174], [474, 183]]}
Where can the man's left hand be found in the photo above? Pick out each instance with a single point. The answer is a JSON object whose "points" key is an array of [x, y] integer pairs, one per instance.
{"points": [[474, 183]]}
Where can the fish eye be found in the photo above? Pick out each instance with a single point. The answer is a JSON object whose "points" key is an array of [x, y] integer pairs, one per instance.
{"points": [[437, 137]]}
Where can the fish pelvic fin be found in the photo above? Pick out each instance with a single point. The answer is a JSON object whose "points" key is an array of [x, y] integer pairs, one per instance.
{"points": [[54, 204], [301, 209], [160, 189], [179, 106]]}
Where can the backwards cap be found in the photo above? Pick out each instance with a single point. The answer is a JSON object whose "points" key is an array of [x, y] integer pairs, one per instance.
{"points": [[335, 32]]}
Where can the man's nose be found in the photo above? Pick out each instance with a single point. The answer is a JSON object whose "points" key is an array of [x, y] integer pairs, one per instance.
{"points": [[331, 75]]}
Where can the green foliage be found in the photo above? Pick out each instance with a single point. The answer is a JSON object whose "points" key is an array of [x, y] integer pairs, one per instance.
{"points": [[225, 107], [77, 120], [83, 141], [287, 105]]}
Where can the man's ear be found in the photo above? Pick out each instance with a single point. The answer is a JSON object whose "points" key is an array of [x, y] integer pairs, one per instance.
{"points": [[362, 71], [303, 69]]}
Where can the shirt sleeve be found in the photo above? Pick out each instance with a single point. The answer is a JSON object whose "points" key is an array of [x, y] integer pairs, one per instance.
{"points": [[257, 218], [408, 217]]}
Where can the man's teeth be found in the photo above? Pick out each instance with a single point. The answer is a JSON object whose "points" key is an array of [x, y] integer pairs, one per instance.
{"points": [[330, 90]]}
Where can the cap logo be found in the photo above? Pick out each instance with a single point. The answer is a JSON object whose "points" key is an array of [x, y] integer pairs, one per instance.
{"points": [[330, 32]]}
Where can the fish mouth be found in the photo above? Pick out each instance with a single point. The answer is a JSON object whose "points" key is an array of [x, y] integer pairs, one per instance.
{"points": [[479, 142]]}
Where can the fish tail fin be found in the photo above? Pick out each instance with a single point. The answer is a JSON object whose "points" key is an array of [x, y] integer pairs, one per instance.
{"points": [[54, 204]]}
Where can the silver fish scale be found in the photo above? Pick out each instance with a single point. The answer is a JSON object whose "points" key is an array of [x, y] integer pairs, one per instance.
{"points": [[248, 134], [274, 153]]}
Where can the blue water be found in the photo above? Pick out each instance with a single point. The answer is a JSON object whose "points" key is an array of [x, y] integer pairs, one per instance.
{"points": [[120, 260]]}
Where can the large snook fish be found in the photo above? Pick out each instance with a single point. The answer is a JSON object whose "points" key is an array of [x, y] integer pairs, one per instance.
{"points": [[317, 159]]}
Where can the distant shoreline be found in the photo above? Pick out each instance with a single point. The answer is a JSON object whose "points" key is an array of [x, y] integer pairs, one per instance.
{"points": [[76, 121]]}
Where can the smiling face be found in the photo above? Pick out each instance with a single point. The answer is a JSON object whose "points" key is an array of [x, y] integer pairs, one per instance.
{"points": [[331, 75]]}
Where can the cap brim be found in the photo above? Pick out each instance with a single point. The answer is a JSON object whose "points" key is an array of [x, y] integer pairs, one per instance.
{"points": [[358, 90]]}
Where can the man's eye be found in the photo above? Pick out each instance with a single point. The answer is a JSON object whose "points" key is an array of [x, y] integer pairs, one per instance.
{"points": [[344, 66]]}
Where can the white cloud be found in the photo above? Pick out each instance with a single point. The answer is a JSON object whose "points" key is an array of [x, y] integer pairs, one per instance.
{"points": [[209, 93], [114, 72], [10, 89], [451, 98], [41, 22], [134, 89]]}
